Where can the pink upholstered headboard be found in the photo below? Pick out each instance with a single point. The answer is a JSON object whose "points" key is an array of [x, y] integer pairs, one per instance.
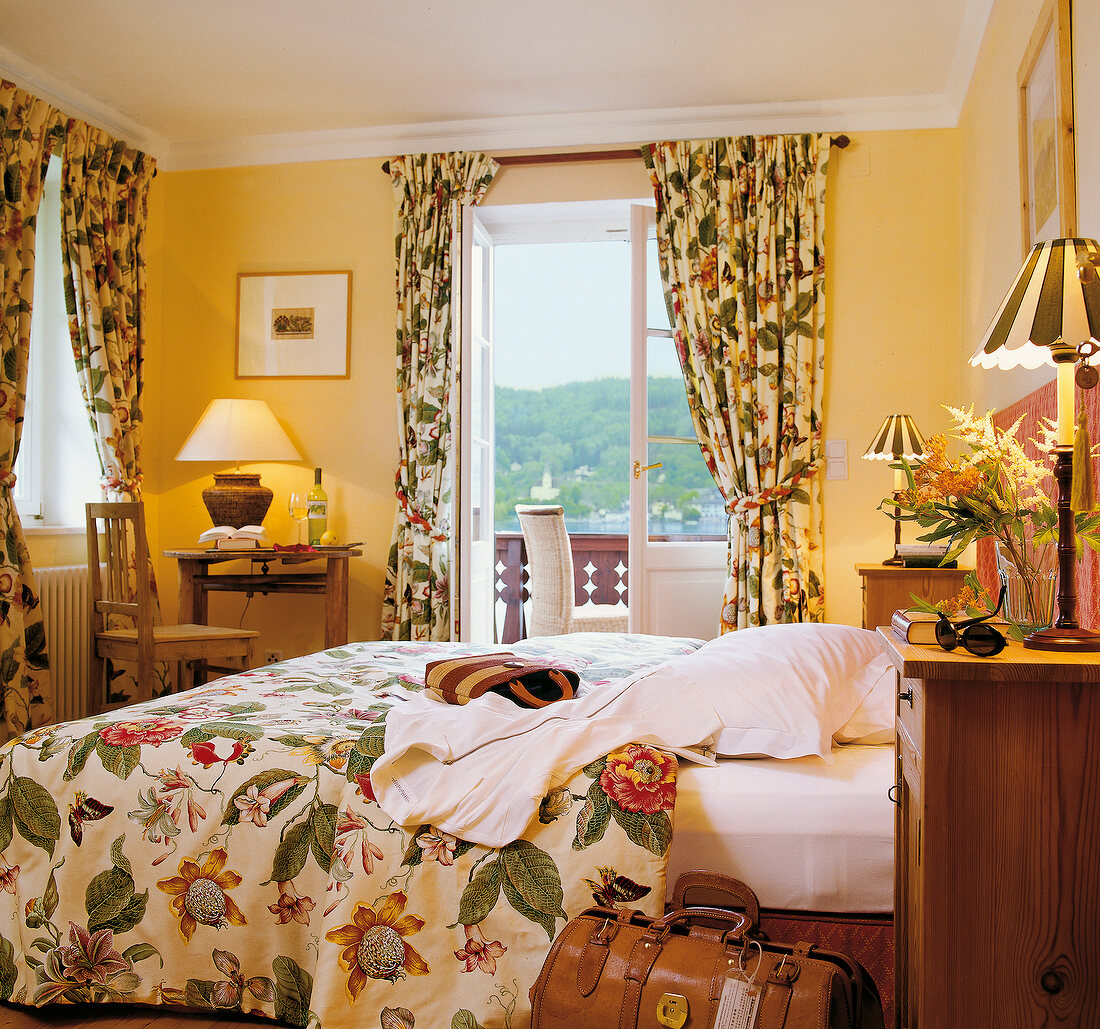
{"points": [[1042, 404]]}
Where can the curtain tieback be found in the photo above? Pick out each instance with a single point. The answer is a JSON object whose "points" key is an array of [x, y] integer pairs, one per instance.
{"points": [[7, 480], [746, 507], [417, 520]]}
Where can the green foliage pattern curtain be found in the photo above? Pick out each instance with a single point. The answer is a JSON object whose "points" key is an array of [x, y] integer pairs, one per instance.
{"points": [[104, 211], [430, 190], [739, 230], [31, 130]]}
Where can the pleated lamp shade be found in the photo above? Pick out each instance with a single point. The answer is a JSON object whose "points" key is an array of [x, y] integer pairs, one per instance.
{"points": [[898, 437], [1053, 305]]}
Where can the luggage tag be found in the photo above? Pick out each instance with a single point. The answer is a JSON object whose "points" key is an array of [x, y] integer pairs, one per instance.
{"points": [[740, 995]]}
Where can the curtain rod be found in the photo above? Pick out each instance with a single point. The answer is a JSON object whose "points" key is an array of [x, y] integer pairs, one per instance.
{"points": [[578, 156]]}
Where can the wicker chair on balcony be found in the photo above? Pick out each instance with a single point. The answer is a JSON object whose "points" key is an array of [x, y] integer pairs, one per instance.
{"points": [[550, 579]]}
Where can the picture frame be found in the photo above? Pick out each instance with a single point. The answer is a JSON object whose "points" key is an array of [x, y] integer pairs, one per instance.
{"points": [[293, 325], [1048, 187]]}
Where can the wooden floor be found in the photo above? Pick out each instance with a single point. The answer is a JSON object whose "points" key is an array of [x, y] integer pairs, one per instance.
{"points": [[118, 1016]]}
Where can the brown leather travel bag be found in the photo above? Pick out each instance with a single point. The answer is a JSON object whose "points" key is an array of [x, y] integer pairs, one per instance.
{"points": [[696, 968]]}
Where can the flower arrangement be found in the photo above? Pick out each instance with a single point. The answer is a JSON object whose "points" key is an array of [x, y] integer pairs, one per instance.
{"points": [[993, 490]]}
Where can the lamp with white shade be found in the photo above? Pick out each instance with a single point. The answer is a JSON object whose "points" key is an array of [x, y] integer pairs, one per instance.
{"points": [[233, 431], [1051, 315]]}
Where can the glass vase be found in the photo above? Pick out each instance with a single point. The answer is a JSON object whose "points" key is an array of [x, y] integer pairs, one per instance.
{"points": [[1029, 577]]}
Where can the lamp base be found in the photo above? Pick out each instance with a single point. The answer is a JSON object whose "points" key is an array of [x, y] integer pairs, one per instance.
{"points": [[1066, 640], [237, 499]]}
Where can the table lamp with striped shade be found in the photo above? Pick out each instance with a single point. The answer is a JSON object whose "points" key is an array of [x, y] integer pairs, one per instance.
{"points": [[1051, 315], [898, 437]]}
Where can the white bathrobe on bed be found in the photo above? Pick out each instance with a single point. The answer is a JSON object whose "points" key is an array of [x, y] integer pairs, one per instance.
{"points": [[479, 771]]}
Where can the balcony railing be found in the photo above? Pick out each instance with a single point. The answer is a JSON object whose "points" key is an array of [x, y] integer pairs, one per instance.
{"points": [[599, 576]]}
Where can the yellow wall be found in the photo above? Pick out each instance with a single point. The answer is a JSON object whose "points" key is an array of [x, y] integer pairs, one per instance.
{"points": [[991, 235], [893, 299], [316, 216]]}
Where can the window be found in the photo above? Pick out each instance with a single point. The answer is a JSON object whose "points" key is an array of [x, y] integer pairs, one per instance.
{"points": [[57, 470]]}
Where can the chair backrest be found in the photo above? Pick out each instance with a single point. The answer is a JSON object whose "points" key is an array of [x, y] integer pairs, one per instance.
{"points": [[549, 568], [118, 564]]}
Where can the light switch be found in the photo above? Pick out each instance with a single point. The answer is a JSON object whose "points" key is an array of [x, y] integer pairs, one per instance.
{"points": [[836, 459]]}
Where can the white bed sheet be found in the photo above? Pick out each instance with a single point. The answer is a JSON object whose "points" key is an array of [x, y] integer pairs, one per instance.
{"points": [[804, 835]]}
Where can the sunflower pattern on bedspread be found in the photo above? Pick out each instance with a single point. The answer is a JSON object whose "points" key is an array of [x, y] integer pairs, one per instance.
{"points": [[223, 851]]}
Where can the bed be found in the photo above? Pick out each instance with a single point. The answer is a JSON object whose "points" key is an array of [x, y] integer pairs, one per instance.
{"points": [[224, 850]]}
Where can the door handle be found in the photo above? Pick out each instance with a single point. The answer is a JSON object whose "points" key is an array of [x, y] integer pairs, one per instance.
{"points": [[639, 468]]}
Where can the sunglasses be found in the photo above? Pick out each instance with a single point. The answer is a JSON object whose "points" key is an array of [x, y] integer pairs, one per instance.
{"points": [[976, 637]]}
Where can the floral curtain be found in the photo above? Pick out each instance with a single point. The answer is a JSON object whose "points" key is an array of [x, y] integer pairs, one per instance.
{"points": [[31, 130], [430, 190], [739, 229], [104, 210]]}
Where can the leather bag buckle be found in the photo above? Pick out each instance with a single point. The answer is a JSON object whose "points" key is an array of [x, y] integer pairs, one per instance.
{"points": [[672, 1010]]}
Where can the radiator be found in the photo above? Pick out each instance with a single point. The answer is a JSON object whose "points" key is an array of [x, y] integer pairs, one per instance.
{"points": [[63, 591]]}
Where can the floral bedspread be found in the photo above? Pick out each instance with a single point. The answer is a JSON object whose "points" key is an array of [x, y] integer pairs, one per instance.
{"points": [[222, 850]]}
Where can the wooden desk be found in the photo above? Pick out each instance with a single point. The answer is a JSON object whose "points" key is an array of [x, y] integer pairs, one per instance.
{"points": [[997, 894], [270, 571]]}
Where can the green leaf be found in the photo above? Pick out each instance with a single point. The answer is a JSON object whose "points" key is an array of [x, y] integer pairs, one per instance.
{"points": [[7, 969], [106, 897], [481, 894], [118, 859], [36, 817], [141, 951], [463, 1019], [293, 989], [323, 840], [290, 856], [593, 818], [6, 829], [78, 756], [129, 916], [532, 883], [653, 832], [120, 761]]}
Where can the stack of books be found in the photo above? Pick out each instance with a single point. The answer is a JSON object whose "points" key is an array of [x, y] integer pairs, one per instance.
{"points": [[924, 555]]}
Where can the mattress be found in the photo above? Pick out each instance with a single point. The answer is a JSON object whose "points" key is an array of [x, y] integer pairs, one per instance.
{"points": [[805, 835]]}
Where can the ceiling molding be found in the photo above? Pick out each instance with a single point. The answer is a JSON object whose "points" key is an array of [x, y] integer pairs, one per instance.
{"points": [[76, 104], [495, 135]]}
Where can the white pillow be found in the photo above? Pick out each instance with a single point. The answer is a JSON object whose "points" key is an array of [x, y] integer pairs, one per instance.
{"points": [[783, 690], [873, 721]]}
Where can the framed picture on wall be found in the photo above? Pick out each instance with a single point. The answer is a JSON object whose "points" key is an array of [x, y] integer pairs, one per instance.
{"points": [[1048, 187], [293, 325]]}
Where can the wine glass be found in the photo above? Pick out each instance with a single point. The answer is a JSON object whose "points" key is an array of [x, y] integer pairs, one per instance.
{"points": [[298, 506]]}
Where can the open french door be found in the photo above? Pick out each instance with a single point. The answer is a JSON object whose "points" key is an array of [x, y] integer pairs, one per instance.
{"points": [[475, 573], [676, 579]]}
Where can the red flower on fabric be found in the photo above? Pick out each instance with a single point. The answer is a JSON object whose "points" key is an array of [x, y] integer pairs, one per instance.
{"points": [[639, 778], [133, 734], [206, 752]]}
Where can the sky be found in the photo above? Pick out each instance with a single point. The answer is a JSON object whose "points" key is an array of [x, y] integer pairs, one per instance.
{"points": [[562, 312]]}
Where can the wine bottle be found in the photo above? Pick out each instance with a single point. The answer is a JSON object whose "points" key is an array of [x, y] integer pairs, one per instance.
{"points": [[318, 510]]}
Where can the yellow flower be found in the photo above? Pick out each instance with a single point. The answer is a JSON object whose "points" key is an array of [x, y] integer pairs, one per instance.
{"points": [[375, 946], [198, 894]]}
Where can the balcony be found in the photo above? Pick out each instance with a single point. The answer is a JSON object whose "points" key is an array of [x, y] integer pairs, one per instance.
{"points": [[599, 576]]}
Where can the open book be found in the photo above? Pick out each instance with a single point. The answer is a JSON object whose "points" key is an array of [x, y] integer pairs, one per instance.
{"points": [[225, 537]]}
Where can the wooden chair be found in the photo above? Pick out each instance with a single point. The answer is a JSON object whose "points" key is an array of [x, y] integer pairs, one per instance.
{"points": [[550, 578], [121, 528]]}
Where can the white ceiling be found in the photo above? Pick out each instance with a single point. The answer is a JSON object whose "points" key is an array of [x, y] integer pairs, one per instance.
{"points": [[214, 82]]}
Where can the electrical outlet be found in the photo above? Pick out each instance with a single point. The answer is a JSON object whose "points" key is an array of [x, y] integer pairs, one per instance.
{"points": [[271, 656]]}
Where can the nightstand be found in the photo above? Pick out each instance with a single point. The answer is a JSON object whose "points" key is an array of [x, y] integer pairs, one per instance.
{"points": [[997, 893], [888, 588]]}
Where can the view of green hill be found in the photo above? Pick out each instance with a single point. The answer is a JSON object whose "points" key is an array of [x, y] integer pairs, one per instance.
{"points": [[579, 432]]}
